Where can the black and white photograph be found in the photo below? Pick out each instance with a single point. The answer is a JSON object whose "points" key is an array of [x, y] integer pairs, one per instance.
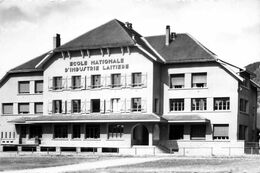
{"points": [[130, 86]]}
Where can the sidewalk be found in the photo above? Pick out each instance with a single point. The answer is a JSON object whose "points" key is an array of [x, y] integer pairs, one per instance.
{"points": [[87, 165]]}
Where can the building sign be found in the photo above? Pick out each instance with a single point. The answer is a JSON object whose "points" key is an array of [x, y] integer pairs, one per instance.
{"points": [[96, 65]]}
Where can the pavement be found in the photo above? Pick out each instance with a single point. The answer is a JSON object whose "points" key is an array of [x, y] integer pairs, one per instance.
{"points": [[88, 165]]}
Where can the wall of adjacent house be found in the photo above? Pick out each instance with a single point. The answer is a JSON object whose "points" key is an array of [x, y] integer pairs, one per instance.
{"points": [[9, 94], [220, 83]]}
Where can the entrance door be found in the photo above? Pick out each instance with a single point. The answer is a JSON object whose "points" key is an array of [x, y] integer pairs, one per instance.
{"points": [[140, 135]]}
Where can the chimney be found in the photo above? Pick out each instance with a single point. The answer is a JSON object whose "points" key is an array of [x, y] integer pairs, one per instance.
{"points": [[167, 35], [56, 41], [128, 25]]}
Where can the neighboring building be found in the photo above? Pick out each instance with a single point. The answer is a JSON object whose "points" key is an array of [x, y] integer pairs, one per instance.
{"points": [[113, 90]]}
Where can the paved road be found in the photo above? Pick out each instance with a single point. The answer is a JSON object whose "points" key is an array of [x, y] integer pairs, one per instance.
{"points": [[87, 165]]}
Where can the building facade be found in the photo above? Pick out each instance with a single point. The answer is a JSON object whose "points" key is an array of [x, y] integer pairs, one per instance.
{"points": [[113, 90]]}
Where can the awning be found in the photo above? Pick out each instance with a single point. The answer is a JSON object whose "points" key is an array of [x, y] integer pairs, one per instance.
{"points": [[134, 117], [185, 119]]}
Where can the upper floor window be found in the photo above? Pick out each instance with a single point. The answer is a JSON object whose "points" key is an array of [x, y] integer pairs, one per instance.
{"points": [[199, 80], [176, 104], [57, 83], [115, 106], [57, 106], [220, 131], [199, 104], [24, 87], [92, 131], [23, 108], [95, 105], [136, 105], [76, 82], [115, 80], [115, 131], [38, 86], [243, 107], [177, 81], [95, 81], [221, 103], [38, 108], [76, 106], [136, 79], [7, 108]]}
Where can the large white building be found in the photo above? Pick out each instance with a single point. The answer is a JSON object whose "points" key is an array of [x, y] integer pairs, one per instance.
{"points": [[113, 90]]}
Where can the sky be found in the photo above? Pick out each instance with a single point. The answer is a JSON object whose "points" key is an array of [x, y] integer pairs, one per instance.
{"points": [[229, 28]]}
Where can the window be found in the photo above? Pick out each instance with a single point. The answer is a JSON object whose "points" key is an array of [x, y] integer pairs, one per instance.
{"points": [[35, 131], [57, 83], [95, 81], [221, 103], [24, 87], [38, 108], [220, 131], [115, 131], [95, 105], [92, 131], [199, 104], [76, 82], [60, 131], [136, 79], [76, 108], [176, 132], [136, 105], [243, 105], [57, 106], [177, 81], [198, 132], [199, 80], [242, 132], [23, 108], [115, 107], [176, 104], [156, 105], [7, 108], [23, 132], [115, 80], [38, 86], [76, 131]]}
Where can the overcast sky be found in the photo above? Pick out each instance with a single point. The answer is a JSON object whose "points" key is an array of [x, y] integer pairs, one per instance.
{"points": [[229, 28]]}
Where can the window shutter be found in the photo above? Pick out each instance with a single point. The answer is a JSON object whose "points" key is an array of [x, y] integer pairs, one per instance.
{"points": [[108, 106], [128, 80], [128, 106], [50, 108], [144, 80], [7, 108], [102, 106], [123, 80], [24, 87], [83, 82], [143, 106], [69, 84], [24, 107], [88, 82], [122, 103], [199, 78], [102, 81], [64, 83], [50, 83], [87, 107], [108, 81], [220, 130], [83, 107], [177, 79], [39, 86], [69, 106], [63, 107]]}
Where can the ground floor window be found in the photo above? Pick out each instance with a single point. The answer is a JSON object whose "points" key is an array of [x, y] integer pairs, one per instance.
{"points": [[35, 131], [60, 131], [76, 131], [115, 131], [198, 132], [176, 132], [220, 131], [92, 131]]}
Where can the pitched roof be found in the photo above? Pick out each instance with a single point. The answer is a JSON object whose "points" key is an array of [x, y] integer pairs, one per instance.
{"points": [[89, 118], [111, 34], [183, 49]]}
